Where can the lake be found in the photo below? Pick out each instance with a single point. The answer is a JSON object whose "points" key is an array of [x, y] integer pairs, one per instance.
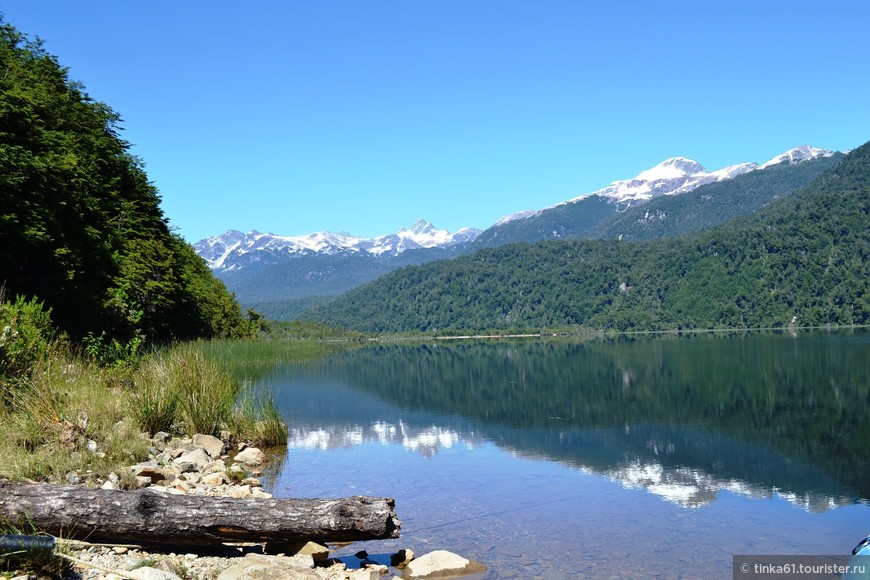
{"points": [[648, 457]]}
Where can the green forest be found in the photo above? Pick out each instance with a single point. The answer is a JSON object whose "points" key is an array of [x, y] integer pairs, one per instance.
{"points": [[801, 260], [81, 228]]}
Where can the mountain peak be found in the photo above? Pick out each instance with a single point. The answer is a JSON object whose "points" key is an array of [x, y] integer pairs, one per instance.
{"points": [[798, 154], [673, 167], [421, 226]]}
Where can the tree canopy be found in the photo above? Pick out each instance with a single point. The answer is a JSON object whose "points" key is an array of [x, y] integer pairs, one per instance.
{"points": [[81, 226]]}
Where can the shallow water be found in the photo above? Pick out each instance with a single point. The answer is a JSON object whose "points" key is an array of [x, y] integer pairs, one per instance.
{"points": [[645, 458]]}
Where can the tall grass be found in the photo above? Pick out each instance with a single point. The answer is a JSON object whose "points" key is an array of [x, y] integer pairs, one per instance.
{"points": [[55, 417], [183, 389], [249, 360]]}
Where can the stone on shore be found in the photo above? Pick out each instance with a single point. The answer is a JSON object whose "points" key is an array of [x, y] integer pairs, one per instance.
{"points": [[251, 456], [198, 458], [149, 573], [264, 567], [439, 564], [210, 444]]}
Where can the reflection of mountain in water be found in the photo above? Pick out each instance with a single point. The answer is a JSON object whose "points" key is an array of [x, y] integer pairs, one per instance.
{"points": [[685, 419]]}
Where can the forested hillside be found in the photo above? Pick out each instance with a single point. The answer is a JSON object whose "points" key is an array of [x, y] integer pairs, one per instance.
{"points": [[801, 260], [81, 227]]}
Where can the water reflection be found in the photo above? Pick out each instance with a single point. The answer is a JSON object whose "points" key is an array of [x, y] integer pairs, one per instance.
{"points": [[426, 441], [758, 416]]}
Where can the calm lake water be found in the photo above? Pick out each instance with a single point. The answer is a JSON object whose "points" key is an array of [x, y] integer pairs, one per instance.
{"points": [[658, 457]]}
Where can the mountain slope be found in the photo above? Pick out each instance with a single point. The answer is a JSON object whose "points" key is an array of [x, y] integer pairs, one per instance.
{"points": [[581, 216], [802, 259], [712, 204]]}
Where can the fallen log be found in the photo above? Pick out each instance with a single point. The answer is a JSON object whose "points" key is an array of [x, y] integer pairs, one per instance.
{"points": [[150, 517]]}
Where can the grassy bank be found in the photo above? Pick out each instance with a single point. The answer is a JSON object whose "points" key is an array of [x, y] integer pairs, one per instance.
{"points": [[67, 408], [69, 413]]}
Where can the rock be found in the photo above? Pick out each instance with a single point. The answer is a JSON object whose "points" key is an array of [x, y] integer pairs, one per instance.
{"points": [[154, 473], [214, 466], [251, 456], [149, 573], [197, 458], [109, 484], [441, 563], [215, 479], [401, 558], [142, 481], [210, 444], [239, 491], [270, 568], [375, 567], [319, 553]]}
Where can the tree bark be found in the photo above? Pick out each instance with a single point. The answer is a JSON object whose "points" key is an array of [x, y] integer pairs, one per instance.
{"points": [[149, 517]]}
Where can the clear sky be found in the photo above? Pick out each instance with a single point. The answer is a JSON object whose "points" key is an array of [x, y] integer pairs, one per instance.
{"points": [[362, 115]]}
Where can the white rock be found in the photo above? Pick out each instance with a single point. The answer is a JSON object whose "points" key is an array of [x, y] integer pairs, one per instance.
{"points": [[264, 567], [210, 444], [239, 491], [251, 456], [197, 457], [441, 563], [149, 573], [215, 479]]}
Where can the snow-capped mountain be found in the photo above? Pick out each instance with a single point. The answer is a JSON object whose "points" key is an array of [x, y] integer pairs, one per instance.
{"points": [[677, 175], [232, 250], [798, 154]]}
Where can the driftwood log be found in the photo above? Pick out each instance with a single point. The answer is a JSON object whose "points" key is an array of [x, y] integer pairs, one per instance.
{"points": [[149, 517]]}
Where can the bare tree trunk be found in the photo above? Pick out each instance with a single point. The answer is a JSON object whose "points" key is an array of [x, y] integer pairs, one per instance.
{"points": [[149, 517]]}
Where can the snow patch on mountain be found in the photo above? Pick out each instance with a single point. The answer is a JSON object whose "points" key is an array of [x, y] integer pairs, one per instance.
{"points": [[798, 154], [232, 250], [675, 176]]}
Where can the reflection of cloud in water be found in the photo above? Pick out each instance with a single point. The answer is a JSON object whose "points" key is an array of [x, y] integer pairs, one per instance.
{"points": [[693, 488], [426, 441]]}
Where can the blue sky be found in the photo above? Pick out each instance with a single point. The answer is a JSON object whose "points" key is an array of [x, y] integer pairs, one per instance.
{"points": [[361, 116]]}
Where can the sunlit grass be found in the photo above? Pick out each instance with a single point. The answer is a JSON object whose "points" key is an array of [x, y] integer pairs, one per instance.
{"points": [[72, 415], [68, 415]]}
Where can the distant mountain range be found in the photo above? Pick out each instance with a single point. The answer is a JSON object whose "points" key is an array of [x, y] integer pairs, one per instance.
{"points": [[265, 269]]}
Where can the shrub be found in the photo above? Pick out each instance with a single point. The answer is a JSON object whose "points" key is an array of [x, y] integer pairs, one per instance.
{"points": [[26, 335]]}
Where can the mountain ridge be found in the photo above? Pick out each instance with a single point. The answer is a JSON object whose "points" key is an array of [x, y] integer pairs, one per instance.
{"points": [[673, 176]]}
